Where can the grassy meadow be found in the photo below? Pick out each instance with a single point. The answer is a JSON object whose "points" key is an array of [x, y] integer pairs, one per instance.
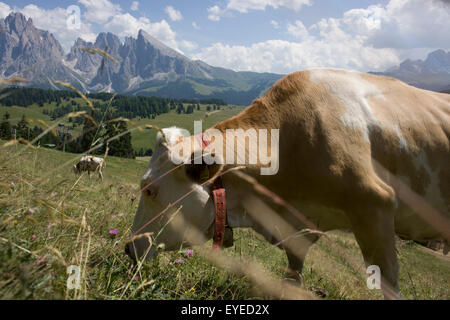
{"points": [[140, 138], [146, 139], [50, 219]]}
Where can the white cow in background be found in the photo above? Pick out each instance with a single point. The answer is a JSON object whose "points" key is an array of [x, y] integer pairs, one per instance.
{"points": [[90, 163]]}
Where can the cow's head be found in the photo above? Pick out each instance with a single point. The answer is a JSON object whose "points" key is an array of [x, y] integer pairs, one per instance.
{"points": [[174, 188]]}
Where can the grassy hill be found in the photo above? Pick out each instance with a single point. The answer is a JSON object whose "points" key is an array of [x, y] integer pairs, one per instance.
{"points": [[146, 139], [140, 139], [50, 218]]}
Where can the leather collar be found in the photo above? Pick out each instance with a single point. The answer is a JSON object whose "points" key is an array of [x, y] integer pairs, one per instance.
{"points": [[223, 234]]}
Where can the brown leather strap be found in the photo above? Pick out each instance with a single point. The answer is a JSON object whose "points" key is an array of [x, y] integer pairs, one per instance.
{"points": [[220, 208], [220, 217]]}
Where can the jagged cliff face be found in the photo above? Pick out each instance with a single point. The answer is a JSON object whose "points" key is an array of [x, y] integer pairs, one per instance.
{"points": [[23, 46], [144, 66], [28, 52], [83, 61]]}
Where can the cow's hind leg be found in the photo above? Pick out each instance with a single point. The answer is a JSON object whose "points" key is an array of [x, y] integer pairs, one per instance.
{"points": [[375, 233], [296, 251]]}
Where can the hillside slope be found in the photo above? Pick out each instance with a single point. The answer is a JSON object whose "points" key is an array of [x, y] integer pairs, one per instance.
{"points": [[50, 218]]}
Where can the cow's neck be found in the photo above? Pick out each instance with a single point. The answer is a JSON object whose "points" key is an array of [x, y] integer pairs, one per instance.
{"points": [[257, 116]]}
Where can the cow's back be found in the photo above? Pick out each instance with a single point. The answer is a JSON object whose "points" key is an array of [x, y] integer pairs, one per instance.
{"points": [[357, 124], [414, 146], [408, 131]]}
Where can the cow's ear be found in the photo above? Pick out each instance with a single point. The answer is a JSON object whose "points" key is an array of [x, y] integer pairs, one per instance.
{"points": [[202, 172]]}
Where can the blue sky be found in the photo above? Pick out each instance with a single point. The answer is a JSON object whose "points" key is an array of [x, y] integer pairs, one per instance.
{"points": [[262, 35]]}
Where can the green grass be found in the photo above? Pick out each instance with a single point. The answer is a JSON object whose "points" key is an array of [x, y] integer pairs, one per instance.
{"points": [[140, 139], [146, 139], [70, 219]]}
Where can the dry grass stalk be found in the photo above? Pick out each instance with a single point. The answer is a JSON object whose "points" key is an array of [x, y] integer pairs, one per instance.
{"points": [[71, 87]]}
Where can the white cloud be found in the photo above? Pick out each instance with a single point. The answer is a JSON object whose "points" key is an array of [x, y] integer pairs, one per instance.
{"points": [[282, 56], [275, 24], [244, 6], [298, 30], [173, 14], [373, 38], [406, 24], [215, 13], [195, 25], [4, 10], [54, 21], [100, 11], [128, 25], [134, 6], [188, 45]]}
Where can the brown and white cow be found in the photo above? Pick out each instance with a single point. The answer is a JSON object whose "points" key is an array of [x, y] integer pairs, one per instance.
{"points": [[90, 164], [356, 151]]}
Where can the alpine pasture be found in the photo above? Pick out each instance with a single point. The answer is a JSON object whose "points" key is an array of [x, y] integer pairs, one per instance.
{"points": [[51, 218]]}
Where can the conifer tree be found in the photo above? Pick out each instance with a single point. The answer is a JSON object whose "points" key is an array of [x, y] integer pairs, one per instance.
{"points": [[5, 128], [23, 131], [88, 134], [119, 142]]}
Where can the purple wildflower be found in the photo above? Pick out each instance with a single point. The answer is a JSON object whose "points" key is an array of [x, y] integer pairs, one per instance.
{"points": [[189, 252], [33, 236], [136, 278], [179, 261], [122, 186], [113, 232]]}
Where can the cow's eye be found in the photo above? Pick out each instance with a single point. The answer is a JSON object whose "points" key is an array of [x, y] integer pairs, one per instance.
{"points": [[151, 192]]}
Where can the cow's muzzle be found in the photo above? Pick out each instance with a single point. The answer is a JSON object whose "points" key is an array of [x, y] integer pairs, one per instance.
{"points": [[139, 249]]}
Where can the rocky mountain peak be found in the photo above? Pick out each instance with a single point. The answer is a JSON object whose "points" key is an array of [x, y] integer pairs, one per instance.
{"points": [[22, 46], [438, 61], [433, 73], [146, 39], [108, 39], [17, 22]]}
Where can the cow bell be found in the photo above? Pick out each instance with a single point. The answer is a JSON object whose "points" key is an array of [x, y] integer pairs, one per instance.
{"points": [[228, 237]]}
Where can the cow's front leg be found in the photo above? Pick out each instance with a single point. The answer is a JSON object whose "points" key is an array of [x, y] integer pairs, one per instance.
{"points": [[375, 233], [100, 175], [296, 251]]}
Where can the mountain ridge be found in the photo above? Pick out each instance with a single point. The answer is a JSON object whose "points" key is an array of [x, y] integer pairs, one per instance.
{"points": [[433, 73], [145, 66]]}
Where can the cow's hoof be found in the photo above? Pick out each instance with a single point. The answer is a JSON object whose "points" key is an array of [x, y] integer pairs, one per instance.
{"points": [[293, 277], [320, 292]]}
